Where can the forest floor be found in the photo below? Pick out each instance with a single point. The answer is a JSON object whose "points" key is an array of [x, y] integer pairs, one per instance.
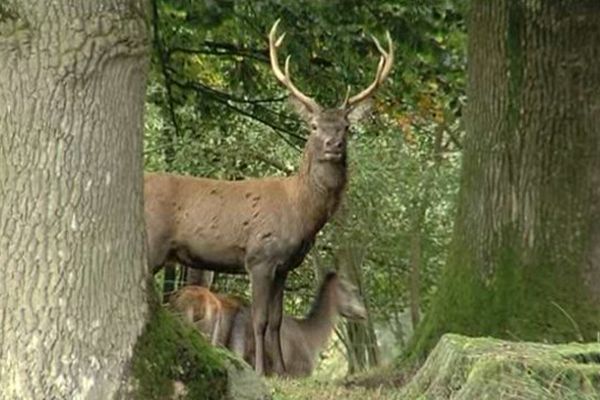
{"points": [[468, 368], [380, 384]]}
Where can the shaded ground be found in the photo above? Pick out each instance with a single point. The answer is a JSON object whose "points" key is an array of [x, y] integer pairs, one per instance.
{"points": [[462, 368], [309, 389]]}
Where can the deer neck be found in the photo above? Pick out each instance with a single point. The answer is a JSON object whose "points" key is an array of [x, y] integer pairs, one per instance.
{"points": [[321, 185], [318, 324]]}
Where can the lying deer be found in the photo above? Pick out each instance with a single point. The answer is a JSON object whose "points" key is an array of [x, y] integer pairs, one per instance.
{"points": [[266, 226], [201, 308], [301, 338]]}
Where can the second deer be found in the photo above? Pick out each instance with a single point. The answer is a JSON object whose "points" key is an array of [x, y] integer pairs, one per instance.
{"points": [[301, 338]]}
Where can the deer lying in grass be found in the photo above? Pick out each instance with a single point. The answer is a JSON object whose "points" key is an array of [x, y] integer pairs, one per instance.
{"points": [[201, 308], [301, 338], [266, 226]]}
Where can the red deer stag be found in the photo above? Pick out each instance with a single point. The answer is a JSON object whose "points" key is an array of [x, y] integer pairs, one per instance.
{"points": [[301, 338], [266, 226]]}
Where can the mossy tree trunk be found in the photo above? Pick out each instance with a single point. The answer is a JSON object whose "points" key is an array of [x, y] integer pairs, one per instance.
{"points": [[525, 257], [72, 248]]}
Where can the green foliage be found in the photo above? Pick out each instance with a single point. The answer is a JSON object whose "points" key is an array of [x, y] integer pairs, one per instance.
{"points": [[12, 22], [170, 351]]}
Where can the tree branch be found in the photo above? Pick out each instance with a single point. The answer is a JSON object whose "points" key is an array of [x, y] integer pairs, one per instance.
{"points": [[272, 162], [226, 100], [222, 49], [454, 139], [163, 57]]}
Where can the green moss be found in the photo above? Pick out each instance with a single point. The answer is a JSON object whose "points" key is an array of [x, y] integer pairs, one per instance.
{"points": [[12, 21], [8, 12], [170, 350], [483, 368]]}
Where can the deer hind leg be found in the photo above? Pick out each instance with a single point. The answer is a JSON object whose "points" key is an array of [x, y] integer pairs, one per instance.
{"points": [[216, 324], [261, 280], [274, 326], [216, 332], [189, 314]]}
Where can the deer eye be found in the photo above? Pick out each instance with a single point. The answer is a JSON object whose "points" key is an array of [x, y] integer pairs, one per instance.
{"points": [[313, 126]]}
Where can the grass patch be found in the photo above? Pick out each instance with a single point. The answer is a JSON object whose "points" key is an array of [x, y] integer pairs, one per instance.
{"points": [[383, 383]]}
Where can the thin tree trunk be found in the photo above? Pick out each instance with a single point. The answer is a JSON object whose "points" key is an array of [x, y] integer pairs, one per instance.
{"points": [[416, 243], [415, 272], [72, 248], [169, 280], [525, 257], [360, 338]]}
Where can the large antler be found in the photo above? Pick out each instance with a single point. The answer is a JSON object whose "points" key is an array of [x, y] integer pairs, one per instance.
{"points": [[285, 78], [383, 70]]}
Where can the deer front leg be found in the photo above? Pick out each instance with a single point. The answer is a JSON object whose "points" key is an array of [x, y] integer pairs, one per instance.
{"points": [[261, 280], [225, 326], [274, 326]]}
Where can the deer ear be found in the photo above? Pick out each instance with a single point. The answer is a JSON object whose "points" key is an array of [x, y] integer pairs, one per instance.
{"points": [[359, 111], [300, 108]]}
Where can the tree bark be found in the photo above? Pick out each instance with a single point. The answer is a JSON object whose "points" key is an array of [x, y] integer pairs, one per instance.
{"points": [[72, 247], [422, 204], [525, 257]]}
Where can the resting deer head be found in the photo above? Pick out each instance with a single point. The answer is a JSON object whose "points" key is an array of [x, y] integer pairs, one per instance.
{"points": [[349, 303]]}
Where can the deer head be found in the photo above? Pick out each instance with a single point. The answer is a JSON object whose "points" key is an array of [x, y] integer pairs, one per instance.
{"points": [[349, 301], [329, 127]]}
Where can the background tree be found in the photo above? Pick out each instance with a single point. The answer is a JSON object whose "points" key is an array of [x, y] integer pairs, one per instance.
{"points": [[524, 262], [72, 253]]}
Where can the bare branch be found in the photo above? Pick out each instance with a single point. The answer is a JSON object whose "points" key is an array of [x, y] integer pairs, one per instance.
{"points": [[163, 57], [223, 49], [224, 99]]}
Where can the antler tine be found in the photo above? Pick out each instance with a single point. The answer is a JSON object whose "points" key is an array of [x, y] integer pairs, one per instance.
{"points": [[284, 78], [383, 70], [346, 98]]}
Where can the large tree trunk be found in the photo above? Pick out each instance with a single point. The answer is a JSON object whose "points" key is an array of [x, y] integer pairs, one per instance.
{"points": [[525, 257], [72, 247]]}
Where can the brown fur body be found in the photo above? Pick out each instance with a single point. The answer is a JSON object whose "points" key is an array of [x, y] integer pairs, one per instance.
{"points": [[202, 308], [225, 225]]}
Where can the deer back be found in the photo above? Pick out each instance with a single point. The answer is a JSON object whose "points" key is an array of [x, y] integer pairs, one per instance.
{"points": [[199, 306]]}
